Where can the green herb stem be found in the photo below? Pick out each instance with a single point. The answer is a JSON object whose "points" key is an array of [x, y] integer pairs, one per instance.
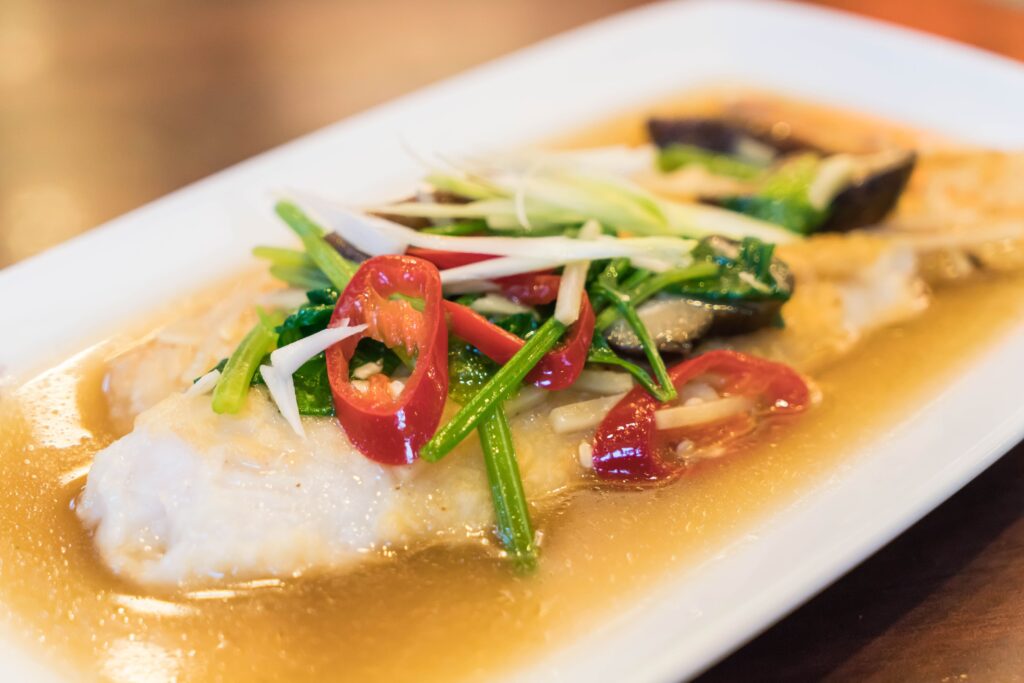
{"points": [[627, 309], [233, 385], [640, 290], [336, 267], [282, 256], [601, 353], [300, 277], [505, 381], [510, 507]]}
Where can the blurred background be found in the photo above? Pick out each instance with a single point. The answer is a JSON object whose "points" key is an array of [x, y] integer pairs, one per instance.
{"points": [[108, 104]]}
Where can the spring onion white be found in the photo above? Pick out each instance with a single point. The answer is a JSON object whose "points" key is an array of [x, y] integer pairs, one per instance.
{"points": [[529, 397], [701, 220], [575, 417], [562, 192], [375, 235], [574, 280], [586, 455], [287, 359], [204, 384], [604, 382], [833, 174], [367, 370], [496, 304], [493, 268], [702, 412]]}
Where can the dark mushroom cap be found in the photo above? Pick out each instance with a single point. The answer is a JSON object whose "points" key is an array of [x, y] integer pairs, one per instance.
{"points": [[872, 194], [675, 324], [725, 136]]}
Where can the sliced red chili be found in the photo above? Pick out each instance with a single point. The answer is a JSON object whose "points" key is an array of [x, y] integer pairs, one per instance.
{"points": [[495, 342], [561, 367], [530, 289], [558, 369], [629, 448], [391, 429]]}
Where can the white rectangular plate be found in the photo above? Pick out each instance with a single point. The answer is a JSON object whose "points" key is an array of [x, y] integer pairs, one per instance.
{"points": [[111, 276]]}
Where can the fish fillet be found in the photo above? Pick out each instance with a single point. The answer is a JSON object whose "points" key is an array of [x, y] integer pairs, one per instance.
{"points": [[190, 496]]}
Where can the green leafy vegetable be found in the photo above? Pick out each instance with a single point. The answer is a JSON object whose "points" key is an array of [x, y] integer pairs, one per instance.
{"points": [[523, 325], [306, 320], [782, 198], [468, 371], [313, 389], [744, 272], [326, 295], [674, 157]]}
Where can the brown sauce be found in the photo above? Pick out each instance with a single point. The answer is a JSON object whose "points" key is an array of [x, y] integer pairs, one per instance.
{"points": [[442, 614]]}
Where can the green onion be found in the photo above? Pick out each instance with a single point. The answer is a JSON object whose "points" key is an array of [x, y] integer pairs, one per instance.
{"points": [[510, 507], [301, 277], [233, 385], [336, 267], [462, 186], [281, 256], [499, 388], [628, 311], [459, 229], [640, 291]]}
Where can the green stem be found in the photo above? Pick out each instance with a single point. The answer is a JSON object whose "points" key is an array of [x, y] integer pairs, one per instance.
{"points": [[510, 507], [627, 309], [639, 292], [336, 267], [233, 385], [282, 256], [301, 277], [505, 381], [605, 356]]}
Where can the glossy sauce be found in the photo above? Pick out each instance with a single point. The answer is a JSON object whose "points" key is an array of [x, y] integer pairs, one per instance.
{"points": [[442, 614]]}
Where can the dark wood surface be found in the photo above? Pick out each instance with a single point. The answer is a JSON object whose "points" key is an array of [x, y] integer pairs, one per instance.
{"points": [[107, 104]]}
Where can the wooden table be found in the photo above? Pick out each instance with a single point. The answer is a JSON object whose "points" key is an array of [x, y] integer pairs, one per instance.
{"points": [[108, 104]]}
